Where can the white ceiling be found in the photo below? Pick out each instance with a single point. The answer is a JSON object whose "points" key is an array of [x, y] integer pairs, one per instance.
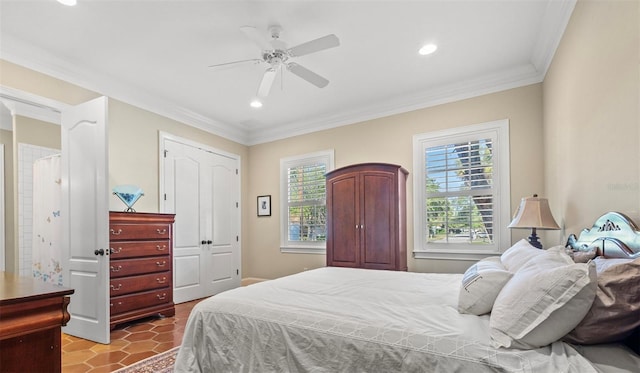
{"points": [[155, 55]]}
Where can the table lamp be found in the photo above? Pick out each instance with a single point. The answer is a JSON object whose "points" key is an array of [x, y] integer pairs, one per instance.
{"points": [[534, 213]]}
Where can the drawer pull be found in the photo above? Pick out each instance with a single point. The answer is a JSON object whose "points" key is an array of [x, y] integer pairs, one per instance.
{"points": [[161, 264], [116, 251], [161, 280], [113, 232], [114, 269], [116, 288], [161, 231], [162, 296], [161, 248]]}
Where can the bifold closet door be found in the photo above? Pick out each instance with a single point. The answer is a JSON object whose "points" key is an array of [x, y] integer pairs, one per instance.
{"points": [[202, 190]]}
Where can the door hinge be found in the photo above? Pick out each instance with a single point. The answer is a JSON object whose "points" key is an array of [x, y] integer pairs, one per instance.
{"points": [[165, 153], [237, 271], [236, 171], [237, 239], [165, 196], [236, 204]]}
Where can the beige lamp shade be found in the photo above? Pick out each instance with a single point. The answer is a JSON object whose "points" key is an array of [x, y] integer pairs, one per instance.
{"points": [[534, 212]]}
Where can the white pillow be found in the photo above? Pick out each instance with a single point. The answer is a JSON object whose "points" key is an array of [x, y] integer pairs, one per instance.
{"points": [[518, 255], [543, 301], [480, 286]]}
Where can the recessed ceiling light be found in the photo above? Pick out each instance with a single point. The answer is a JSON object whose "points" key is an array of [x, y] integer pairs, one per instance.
{"points": [[68, 2], [427, 49], [256, 104]]}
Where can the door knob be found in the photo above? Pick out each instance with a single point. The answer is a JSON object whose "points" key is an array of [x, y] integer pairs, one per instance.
{"points": [[209, 242], [99, 252], [203, 242]]}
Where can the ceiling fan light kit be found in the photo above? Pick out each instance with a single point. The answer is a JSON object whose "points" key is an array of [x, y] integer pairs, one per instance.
{"points": [[427, 49], [277, 56]]}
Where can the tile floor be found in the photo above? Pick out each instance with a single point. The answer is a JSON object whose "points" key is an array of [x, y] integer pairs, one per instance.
{"points": [[129, 343]]}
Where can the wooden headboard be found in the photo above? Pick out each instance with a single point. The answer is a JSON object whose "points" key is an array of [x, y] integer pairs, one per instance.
{"points": [[613, 235]]}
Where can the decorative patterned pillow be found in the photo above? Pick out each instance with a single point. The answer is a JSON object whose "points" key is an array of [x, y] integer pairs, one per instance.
{"points": [[543, 301], [480, 286], [615, 312]]}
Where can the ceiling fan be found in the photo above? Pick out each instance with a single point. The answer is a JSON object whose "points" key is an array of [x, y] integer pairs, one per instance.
{"points": [[277, 56]]}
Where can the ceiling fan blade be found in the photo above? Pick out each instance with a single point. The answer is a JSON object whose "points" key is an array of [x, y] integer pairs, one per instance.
{"points": [[307, 75], [266, 82], [316, 45], [254, 60], [257, 37]]}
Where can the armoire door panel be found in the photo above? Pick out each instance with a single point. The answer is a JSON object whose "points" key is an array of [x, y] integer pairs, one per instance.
{"points": [[344, 226], [379, 224]]}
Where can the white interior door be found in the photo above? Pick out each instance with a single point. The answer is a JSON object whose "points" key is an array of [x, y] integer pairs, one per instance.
{"points": [[85, 212], [201, 187], [182, 169], [222, 229]]}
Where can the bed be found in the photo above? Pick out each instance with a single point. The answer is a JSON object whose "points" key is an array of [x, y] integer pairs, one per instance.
{"points": [[359, 320]]}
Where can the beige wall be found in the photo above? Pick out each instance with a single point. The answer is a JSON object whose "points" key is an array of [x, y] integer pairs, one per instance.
{"points": [[591, 119], [18, 77], [133, 150], [390, 140], [36, 132], [573, 138], [133, 158], [133, 138]]}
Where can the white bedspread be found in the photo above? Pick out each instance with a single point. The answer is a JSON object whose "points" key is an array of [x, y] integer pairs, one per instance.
{"points": [[353, 320]]}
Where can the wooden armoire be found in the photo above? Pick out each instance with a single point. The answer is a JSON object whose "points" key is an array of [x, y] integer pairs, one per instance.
{"points": [[366, 217]]}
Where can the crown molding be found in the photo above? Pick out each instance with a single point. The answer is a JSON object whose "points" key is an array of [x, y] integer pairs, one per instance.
{"points": [[491, 83], [31, 106], [553, 26], [14, 51]]}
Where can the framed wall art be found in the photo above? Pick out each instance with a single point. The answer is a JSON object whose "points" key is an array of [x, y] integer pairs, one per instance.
{"points": [[264, 205]]}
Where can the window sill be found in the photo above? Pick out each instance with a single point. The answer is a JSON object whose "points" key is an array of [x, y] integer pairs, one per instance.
{"points": [[303, 250], [475, 256]]}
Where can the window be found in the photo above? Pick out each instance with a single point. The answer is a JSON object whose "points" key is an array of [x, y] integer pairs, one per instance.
{"points": [[461, 189], [303, 202]]}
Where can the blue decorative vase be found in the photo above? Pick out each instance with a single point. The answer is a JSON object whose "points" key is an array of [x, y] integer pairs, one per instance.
{"points": [[129, 194]]}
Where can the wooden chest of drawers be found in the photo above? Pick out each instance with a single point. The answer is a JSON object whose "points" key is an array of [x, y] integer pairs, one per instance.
{"points": [[31, 314], [140, 265]]}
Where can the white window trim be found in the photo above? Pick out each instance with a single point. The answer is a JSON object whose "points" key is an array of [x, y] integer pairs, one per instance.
{"points": [[286, 246], [500, 131]]}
